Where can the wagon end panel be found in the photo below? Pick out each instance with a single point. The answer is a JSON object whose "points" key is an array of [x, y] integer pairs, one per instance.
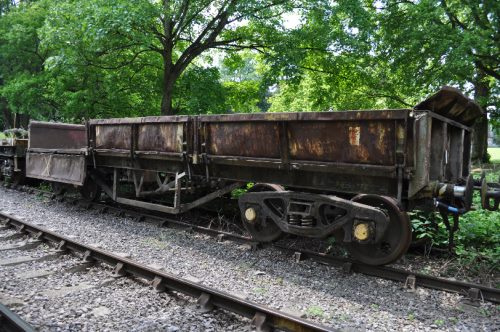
{"points": [[422, 129], [57, 152]]}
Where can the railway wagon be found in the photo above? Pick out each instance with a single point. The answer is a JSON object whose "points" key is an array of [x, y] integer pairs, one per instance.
{"points": [[352, 174], [12, 158]]}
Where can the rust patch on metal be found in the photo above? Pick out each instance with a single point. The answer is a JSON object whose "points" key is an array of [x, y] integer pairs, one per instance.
{"points": [[162, 137], [359, 142], [247, 139], [113, 136], [354, 135], [55, 136]]}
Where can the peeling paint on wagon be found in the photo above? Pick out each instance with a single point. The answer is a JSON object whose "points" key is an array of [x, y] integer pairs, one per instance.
{"points": [[113, 137], [47, 135], [161, 137], [246, 139], [354, 133], [338, 141]]}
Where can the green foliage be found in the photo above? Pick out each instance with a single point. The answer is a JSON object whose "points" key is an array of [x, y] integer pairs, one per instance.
{"points": [[236, 193], [244, 84], [199, 91], [477, 242], [315, 311], [243, 97], [354, 54], [22, 83], [45, 186], [70, 60], [494, 155]]}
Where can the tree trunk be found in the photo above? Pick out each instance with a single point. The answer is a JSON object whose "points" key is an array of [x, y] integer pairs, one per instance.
{"points": [[7, 115], [480, 134], [169, 79], [166, 100]]}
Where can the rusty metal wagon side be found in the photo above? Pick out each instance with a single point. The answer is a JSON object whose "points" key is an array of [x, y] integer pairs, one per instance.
{"points": [[351, 174]]}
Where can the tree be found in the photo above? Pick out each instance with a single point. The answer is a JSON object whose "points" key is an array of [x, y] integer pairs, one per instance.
{"points": [[447, 42], [245, 85], [199, 90], [178, 31], [393, 52], [21, 59]]}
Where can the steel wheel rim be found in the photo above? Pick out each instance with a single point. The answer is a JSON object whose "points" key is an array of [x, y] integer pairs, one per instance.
{"points": [[396, 240], [90, 190], [264, 230]]}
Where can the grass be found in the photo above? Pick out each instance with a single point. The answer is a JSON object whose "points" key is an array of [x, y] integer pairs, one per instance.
{"points": [[495, 155], [315, 311], [2, 135]]}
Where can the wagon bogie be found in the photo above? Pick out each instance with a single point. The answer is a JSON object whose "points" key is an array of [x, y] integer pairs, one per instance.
{"points": [[313, 215]]}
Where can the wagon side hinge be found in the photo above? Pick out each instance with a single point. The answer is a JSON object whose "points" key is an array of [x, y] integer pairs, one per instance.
{"points": [[284, 145], [204, 153], [186, 149], [400, 156], [196, 139], [133, 140]]}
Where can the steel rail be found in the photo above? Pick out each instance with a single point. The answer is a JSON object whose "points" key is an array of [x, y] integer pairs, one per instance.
{"points": [[11, 322], [263, 317], [411, 279], [473, 292]]}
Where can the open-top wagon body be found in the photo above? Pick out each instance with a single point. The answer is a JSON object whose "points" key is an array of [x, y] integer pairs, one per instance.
{"points": [[352, 173]]}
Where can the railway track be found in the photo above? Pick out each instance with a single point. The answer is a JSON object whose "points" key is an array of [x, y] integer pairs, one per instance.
{"points": [[262, 317], [10, 322], [473, 293]]}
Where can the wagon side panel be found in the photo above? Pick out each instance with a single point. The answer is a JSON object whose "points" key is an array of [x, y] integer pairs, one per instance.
{"points": [[355, 142], [156, 144], [336, 151]]}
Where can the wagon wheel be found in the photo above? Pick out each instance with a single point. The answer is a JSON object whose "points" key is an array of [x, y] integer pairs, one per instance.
{"points": [[90, 190], [58, 188], [394, 242], [18, 178], [263, 229]]}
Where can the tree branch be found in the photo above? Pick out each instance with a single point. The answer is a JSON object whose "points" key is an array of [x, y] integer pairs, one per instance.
{"points": [[488, 70]]}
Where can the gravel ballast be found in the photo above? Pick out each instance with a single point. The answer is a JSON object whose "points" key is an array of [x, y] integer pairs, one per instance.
{"points": [[321, 293]]}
